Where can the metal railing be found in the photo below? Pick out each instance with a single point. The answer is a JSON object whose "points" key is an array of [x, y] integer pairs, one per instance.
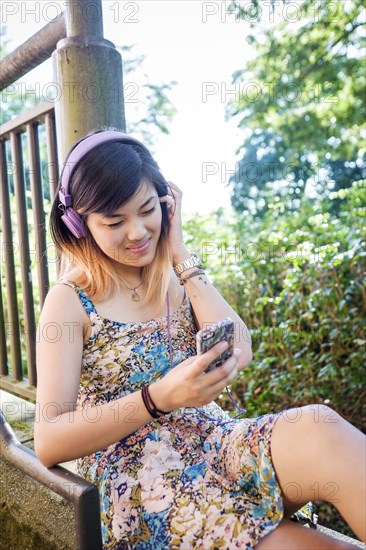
{"points": [[32, 53], [82, 56], [19, 178], [25, 263]]}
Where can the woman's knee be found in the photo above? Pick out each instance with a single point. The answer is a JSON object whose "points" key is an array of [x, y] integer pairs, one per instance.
{"points": [[312, 417], [307, 431], [321, 414], [291, 536]]}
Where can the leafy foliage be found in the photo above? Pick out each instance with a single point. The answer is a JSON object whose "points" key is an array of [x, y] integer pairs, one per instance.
{"points": [[14, 102], [301, 102], [298, 282]]}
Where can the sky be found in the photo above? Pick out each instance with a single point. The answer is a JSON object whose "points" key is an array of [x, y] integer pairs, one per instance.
{"points": [[197, 44]]}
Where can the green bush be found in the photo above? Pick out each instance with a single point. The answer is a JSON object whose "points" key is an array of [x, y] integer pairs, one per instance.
{"points": [[298, 282]]}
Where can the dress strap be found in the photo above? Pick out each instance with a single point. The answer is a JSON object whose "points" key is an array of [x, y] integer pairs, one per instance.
{"points": [[84, 298]]}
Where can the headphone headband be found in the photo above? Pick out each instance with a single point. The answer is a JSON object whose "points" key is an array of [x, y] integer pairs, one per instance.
{"points": [[71, 218], [86, 145]]}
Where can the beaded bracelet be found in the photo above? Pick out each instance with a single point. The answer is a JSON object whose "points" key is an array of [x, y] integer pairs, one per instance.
{"points": [[195, 273], [150, 405]]}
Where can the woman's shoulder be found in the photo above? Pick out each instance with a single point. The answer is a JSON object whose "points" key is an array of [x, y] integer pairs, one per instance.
{"points": [[69, 285], [64, 288], [63, 300]]}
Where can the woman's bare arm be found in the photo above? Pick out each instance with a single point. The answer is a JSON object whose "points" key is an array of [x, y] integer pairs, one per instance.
{"points": [[207, 303], [209, 306], [61, 433]]}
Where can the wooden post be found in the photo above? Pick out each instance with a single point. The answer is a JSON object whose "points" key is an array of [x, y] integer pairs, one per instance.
{"points": [[88, 71]]}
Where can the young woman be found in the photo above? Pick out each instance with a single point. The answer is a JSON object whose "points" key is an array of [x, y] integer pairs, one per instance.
{"points": [[121, 389]]}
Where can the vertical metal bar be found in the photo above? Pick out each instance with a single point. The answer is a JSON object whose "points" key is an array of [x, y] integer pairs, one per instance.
{"points": [[25, 263], [8, 258], [53, 168], [38, 212], [93, 66], [3, 350]]}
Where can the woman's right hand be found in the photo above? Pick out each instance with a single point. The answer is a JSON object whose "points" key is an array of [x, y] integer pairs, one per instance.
{"points": [[187, 385]]}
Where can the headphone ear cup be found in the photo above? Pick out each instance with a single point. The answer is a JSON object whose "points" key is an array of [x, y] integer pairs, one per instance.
{"points": [[74, 223]]}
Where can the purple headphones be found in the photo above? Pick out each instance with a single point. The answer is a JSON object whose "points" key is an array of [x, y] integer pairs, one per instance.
{"points": [[70, 217]]}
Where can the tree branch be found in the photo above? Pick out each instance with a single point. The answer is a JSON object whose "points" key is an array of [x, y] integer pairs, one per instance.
{"points": [[343, 36]]}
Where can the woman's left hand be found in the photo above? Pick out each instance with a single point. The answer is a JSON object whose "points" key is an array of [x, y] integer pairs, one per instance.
{"points": [[174, 205]]}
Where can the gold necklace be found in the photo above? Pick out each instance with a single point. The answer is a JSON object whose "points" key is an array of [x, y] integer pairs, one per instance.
{"points": [[135, 296]]}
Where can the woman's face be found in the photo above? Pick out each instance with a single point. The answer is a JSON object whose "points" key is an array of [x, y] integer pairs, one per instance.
{"points": [[130, 235]]}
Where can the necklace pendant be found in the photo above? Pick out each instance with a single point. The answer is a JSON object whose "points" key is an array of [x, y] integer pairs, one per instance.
{"points": [[135, 296]]}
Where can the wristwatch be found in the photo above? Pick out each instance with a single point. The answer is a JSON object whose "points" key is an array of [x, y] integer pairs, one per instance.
{"points": [[192, 261]]}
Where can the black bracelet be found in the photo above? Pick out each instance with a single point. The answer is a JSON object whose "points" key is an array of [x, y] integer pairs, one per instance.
{"points": [[154, 407], [195, 273], [149, 403]]}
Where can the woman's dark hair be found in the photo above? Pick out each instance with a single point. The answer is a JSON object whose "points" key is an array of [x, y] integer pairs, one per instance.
{"points": [[105, 179]]}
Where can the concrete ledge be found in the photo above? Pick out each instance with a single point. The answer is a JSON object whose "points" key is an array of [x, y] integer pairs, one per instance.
{"points": [[340, 536], [31, 516], [37, 504]]}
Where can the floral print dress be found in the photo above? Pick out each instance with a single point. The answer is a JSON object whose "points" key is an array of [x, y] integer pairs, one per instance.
{"points": [[181, 481]]}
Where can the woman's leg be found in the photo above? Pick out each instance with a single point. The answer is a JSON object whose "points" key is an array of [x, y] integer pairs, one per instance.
{"points": [[292, 536], [317, 455]]}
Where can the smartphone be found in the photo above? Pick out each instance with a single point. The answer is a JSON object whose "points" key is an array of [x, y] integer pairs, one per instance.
{"points": [[213, 333]]}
